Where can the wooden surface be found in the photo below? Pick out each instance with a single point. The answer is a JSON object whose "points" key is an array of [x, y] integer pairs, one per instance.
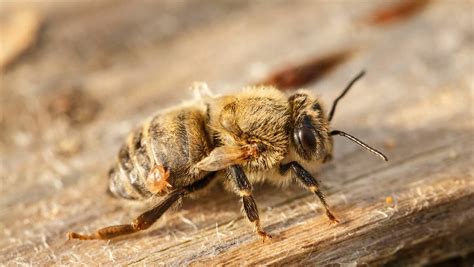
{"points": [[86, 73]]}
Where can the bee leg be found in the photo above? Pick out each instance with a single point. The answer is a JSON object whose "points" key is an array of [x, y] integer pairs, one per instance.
{"points": [[245, 191], [142, 222], [310, 183], [146, 219]]}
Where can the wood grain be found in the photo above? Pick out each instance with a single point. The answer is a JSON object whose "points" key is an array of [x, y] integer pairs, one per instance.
{"points": [[415, 104]]}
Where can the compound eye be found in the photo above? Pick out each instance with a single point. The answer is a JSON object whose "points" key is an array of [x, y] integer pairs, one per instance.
{"points": [[307, 139]]}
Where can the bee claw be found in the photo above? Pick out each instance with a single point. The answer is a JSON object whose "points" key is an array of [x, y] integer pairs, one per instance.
{"points": [[74, 235], [70, 235], [333, 220], [264, 235]]}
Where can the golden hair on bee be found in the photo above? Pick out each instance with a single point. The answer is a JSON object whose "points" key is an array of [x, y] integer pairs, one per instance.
{"points": [[255, 120], [254, 135]]}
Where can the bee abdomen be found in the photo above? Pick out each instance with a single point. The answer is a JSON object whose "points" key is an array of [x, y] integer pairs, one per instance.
{"points": [[127, 179], [160, 155]]}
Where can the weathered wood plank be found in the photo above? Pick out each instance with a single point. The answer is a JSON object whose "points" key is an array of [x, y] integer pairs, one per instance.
{"points": [[416, 99]]}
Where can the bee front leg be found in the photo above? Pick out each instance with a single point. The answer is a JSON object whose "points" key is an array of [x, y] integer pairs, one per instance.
{"points": [[310, 183], [245, 191]]}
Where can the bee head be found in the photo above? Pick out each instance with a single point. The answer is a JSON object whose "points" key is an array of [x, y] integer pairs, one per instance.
{"points": [[311, 136], [310, 132]]}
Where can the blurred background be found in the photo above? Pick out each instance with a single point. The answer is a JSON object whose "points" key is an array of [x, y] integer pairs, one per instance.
{"points": [[77, 76]]}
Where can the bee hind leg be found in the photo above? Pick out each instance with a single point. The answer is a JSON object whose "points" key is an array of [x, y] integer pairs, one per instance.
{"points": [[140, 223], [310, 183], [146, 219]]}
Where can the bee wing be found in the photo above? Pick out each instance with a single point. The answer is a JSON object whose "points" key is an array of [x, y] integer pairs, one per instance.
{"points": [[226, 156]]}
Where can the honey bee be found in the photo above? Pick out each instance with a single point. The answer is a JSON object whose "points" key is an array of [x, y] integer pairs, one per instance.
{"points": [[258, 134]]}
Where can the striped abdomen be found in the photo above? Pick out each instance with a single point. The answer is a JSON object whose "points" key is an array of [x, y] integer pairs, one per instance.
{"points": [[173, 141]]}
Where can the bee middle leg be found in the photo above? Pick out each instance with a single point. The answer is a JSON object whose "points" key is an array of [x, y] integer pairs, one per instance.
{"points": [[146, 219], [310, 183], [244, 188]]}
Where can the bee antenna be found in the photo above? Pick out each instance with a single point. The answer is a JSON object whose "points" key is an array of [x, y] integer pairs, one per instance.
{"points": [[360, 143], [334, 104]]}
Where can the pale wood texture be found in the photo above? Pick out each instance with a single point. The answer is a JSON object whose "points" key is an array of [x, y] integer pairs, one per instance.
{"points": [[131, 58]]}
